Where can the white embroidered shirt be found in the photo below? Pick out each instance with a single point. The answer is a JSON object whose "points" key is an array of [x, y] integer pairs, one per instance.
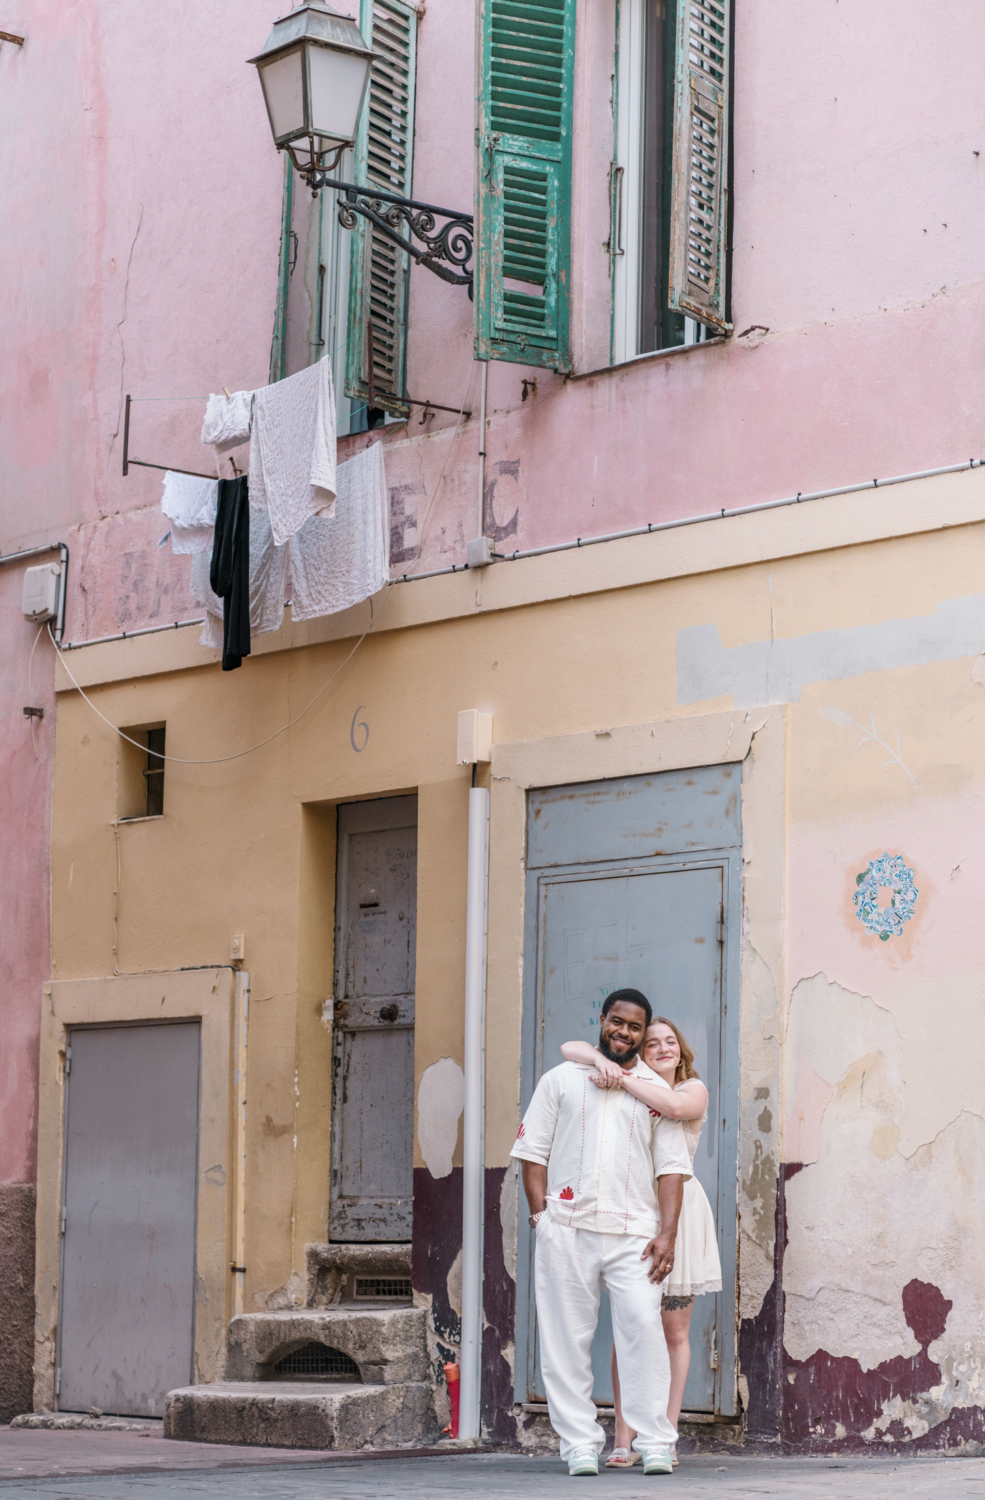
{"points": [[602, 1149]]}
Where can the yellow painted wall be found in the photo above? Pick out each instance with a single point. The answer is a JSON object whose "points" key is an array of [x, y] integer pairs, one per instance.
{"points": [[588, 683]]}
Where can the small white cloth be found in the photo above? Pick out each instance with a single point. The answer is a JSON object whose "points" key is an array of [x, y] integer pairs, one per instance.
{"points": [[189, 504], [227, 420], [292, 450], [338, 562], [602, 1149], [268, 584]]}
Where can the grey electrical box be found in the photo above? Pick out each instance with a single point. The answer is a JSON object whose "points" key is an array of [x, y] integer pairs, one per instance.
{"points": [[40, 598]]}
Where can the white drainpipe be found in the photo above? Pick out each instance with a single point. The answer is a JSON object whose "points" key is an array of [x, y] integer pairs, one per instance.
{"points": [[473, 1152]]}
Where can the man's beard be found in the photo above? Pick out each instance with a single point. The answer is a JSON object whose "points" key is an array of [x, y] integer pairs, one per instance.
{"points": [[624, 1059]]}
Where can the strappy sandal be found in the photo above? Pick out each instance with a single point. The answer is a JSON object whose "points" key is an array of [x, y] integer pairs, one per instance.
{"points": [[621, 1458]]}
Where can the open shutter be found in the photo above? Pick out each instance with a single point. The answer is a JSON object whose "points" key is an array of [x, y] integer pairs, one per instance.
{"points": [[384, 158], [524, 181], [700, 155]]}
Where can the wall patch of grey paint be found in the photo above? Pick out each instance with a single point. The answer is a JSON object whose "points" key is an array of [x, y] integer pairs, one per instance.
{"points": [[776, 671], [440, 1101]]}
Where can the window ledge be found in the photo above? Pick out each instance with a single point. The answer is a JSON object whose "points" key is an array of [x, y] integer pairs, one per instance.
{"points": [[143, 818], [639, 359]]}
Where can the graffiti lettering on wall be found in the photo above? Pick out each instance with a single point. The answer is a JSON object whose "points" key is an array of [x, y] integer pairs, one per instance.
{"points": [[888, 872], [869, 736]]}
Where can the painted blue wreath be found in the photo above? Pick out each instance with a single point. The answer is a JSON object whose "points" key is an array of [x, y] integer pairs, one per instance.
{"points": [[885, 922]]}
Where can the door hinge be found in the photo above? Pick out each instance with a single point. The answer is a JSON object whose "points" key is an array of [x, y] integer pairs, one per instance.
{"points": [[713, 1356], [721, 923], [64, 1218], [58, 1381]]}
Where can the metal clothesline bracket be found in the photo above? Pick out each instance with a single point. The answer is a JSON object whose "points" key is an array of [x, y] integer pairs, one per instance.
{"points": [[142, 463]]}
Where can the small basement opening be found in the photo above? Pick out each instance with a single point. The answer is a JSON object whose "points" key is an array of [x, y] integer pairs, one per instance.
{"points": [[316, 1362]]}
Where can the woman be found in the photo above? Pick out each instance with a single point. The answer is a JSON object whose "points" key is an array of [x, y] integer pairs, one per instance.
{"points": [[697, 1268]]}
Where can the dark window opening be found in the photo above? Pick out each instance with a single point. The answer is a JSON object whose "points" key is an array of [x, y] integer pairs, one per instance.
{"points": [[154, 773], [316, 1362], [659, 327]]}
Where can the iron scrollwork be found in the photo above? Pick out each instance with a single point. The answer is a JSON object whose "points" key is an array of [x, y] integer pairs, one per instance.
{"points": [[449, 246]]}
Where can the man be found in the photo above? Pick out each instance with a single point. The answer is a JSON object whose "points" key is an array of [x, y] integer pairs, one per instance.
{"points": [[590, 1157]]}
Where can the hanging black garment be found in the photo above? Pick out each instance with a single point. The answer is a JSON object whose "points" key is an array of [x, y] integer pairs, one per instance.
{"points": [[230, 572]]}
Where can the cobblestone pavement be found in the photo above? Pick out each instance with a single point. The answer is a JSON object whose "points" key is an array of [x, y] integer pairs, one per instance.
{"points": [[131, 1466]]}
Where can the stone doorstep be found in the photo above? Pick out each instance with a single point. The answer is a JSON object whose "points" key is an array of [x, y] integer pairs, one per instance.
{"points": [[388, 1344], [332, 1269], [283, 1414], [76, 1421]]}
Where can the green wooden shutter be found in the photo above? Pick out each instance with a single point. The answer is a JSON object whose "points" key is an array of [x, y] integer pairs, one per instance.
{"points": [[700, 155], [384, 156], [523, 233]]}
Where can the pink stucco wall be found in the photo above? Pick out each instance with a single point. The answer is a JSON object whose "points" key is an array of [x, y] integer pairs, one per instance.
{"points": [[140, 235]]}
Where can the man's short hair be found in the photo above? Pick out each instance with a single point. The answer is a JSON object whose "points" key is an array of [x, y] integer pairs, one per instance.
{"points": [[633, 997]]}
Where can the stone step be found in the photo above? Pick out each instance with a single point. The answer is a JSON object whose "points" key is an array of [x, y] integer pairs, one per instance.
{"points": [[388, 1345], [316, 1414]]}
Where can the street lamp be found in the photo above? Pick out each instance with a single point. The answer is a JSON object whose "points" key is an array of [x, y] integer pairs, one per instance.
{"points": [[314, 71]]}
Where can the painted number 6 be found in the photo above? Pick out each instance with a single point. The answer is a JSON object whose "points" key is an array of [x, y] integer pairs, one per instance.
{"points": [[361, 725]]}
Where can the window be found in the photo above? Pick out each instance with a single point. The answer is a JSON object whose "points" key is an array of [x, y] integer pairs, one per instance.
{"points": [[376, 355], [668, 184], [141, 772], [313, 301]]}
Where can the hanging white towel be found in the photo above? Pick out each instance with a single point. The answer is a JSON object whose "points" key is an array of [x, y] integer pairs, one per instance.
{"points": [[189, 504], [268, 584], [292, 450], [336, 563], [227, 420]]}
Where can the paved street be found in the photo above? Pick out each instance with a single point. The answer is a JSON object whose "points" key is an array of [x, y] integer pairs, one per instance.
{"points": [[123, 1466]]}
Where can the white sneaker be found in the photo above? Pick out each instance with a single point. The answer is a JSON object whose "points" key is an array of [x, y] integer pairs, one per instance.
{"points": [[583, 1461], [658, 1461]]}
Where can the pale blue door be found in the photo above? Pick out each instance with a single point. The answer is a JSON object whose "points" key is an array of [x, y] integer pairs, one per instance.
{"points": [[655, 919]]}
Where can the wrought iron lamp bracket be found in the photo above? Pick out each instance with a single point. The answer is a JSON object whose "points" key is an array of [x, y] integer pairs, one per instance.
{"points": [[451, 242]]}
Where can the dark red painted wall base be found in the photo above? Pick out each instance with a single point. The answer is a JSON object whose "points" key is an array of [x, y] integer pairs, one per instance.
{"points": [[826, 1403], [437, 1239]]}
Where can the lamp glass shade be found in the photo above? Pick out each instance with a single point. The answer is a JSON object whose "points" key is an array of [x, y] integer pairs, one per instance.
{"points": [[283, 89], [336, 87]]}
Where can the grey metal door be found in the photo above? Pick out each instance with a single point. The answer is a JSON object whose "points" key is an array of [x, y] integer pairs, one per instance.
{"points": [[126, 1327], [371, 1196], [656, 921]]}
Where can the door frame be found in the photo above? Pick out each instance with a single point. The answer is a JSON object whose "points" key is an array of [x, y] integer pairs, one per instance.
{"points": [[216, 997], [729, 860], [63, 1195], [368, 815]]}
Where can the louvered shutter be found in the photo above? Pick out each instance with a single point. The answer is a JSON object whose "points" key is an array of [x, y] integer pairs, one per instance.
{"points": [[524, 181], [700, 155], [384, 156]]}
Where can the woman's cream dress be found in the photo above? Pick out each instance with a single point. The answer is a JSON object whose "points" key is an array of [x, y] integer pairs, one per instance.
{"points": [[697, 1267]]}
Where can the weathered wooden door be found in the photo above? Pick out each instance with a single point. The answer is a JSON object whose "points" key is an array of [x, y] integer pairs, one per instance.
{"points": [[126, 1326], [629, 884], [371, 1195]]}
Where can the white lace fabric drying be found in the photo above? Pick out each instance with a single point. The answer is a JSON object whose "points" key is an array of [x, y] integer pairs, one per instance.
{"points": [[190, 505], [339, 561], [292, 450], [227, 420]]}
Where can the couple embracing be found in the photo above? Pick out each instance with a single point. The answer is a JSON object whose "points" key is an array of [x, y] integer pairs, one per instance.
{"points": [[606, 1148]]}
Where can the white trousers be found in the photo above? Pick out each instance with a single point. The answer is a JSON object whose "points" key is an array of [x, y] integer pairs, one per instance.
{"points": [[571, 1267]]}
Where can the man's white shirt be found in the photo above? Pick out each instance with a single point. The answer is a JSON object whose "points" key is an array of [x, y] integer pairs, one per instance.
{"points": [[603, 1150]]}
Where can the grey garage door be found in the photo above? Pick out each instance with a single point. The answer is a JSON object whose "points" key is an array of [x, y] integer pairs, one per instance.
{"points": [[128, 1263]]}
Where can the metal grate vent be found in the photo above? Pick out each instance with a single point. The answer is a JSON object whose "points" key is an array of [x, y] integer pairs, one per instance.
{"points": [[317, 1362], [372, 1288]]}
